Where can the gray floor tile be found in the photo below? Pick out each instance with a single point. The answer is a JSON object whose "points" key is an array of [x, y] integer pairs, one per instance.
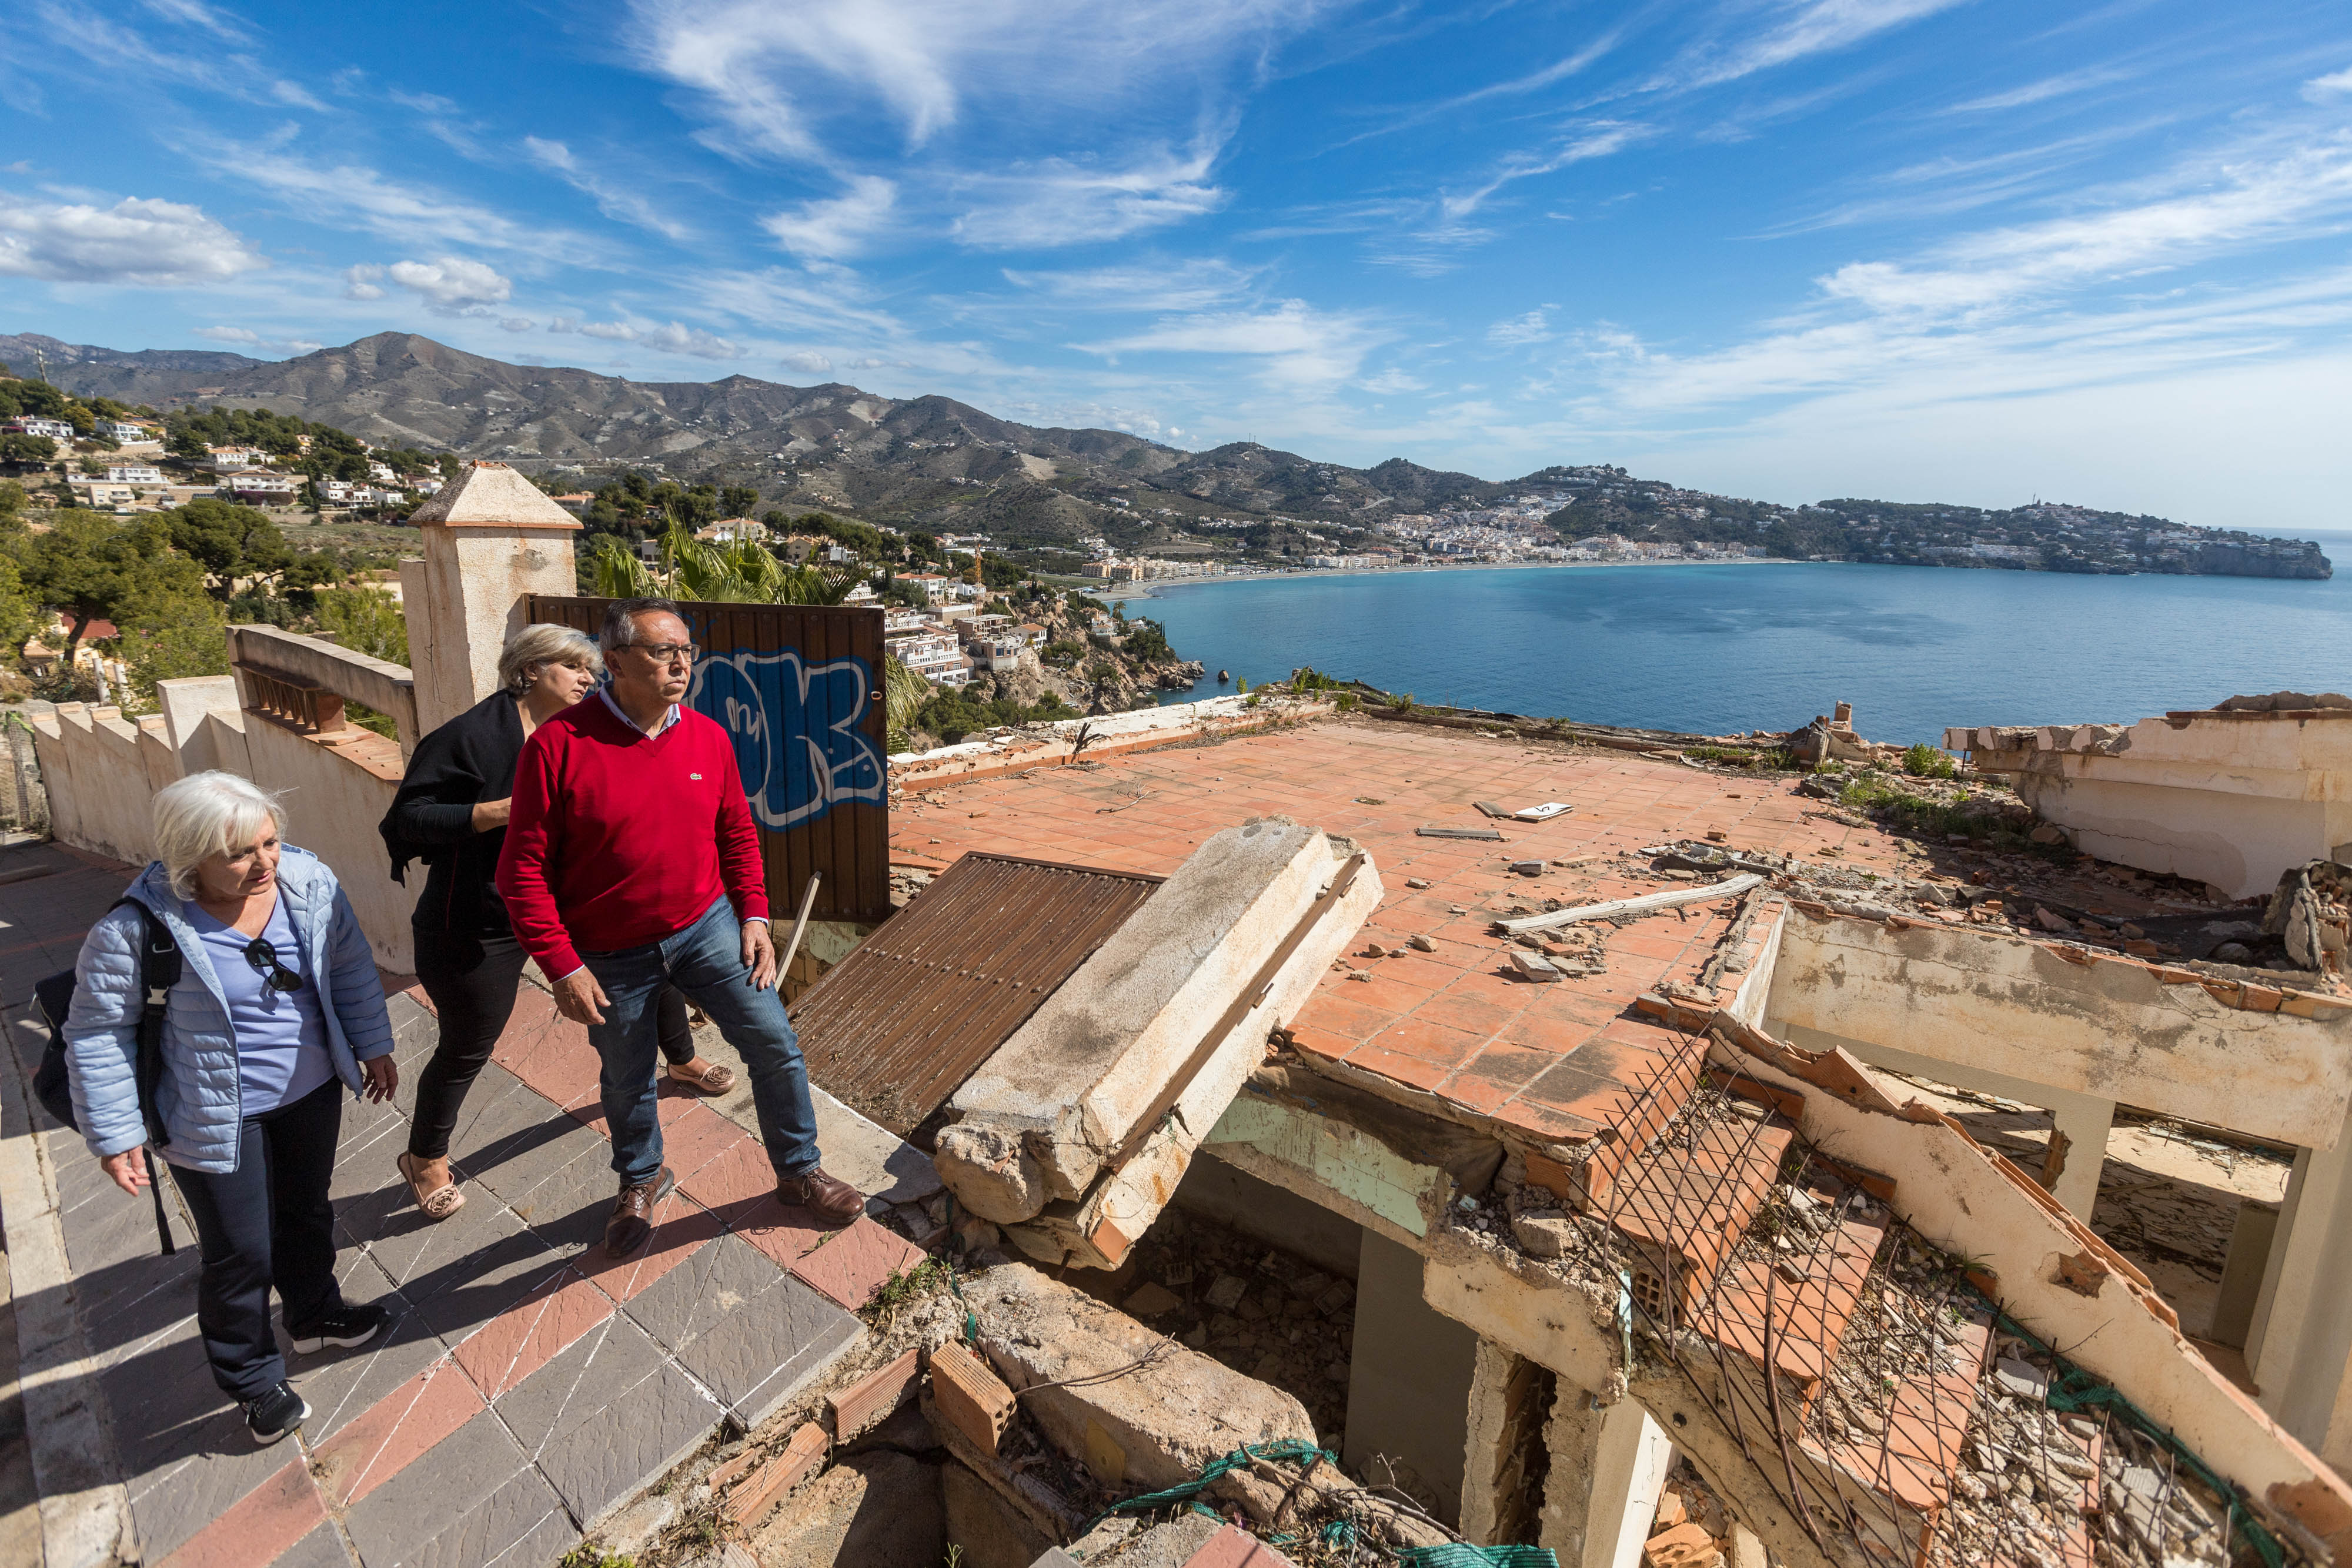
{"points": [[599, 1464], [448, 1482], [569, 1207], [754, 1334], [322, 1548], [522, 1524], [582, 1383], [174, 1494], [523, 1141], [342, 1384], [497, 1264]]}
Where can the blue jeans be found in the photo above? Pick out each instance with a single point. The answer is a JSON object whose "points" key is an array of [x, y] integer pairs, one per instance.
{"points": [[706, 962]]}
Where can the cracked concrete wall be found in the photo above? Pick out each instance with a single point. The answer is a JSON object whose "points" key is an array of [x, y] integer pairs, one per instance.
{"points": [[2232, 801], [2111, 1030], [1409, 1381]]}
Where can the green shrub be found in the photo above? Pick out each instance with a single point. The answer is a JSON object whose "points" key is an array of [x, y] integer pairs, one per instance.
{"points": [[1927, 762], [956, 712]]}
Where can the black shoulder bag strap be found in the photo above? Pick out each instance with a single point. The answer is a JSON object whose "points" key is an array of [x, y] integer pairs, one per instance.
{"points": [[158, 971]]}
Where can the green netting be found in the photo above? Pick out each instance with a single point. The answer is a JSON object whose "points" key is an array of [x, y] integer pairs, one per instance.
{"points": [[2073, 1390], [1479, 1557]]}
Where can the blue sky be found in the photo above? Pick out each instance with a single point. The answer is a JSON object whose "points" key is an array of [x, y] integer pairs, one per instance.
{"points": [[1964, 250]]}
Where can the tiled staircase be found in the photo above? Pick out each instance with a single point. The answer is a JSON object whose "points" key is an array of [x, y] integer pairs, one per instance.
{"points": [[1778, 1258]]}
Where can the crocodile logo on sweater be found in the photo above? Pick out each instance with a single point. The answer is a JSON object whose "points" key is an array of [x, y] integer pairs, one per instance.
{"points": [[795, 727]]}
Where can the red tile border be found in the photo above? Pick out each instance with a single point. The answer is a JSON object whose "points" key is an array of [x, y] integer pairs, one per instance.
{"points": [[533, 1331], [850, 1265], [383, 1439], [258, 1527]]}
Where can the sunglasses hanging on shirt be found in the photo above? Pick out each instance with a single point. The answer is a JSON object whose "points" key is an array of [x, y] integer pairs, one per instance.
{"points": [[263, 956]]}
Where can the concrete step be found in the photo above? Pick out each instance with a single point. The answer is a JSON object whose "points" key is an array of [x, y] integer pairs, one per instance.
{"points": [[1685, 1208], [1899, 1484], [1812, 1296]]}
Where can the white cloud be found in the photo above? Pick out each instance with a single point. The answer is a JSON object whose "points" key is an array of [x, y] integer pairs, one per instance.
{"points": [[1815, 27], [2233, 202], [246, 337], [672, 337], [195, 13], [144, 242], [516, 323], [1297, 345], [1532, 327], [1196, 283], [611, 200], [2062, 86], [838, 226], [807, 361], [1596, 141], [1392, 382], [773, 74], [451, 286], [2333, 85], [1064, 201], [364, 280], [354, 195]]}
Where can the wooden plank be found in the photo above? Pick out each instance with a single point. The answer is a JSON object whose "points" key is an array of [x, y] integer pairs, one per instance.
{"points": [[1485, 835], [1649, 902]]}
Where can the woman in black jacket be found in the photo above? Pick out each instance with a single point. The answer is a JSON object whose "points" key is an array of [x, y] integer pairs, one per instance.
{"points": [[451, 812]]}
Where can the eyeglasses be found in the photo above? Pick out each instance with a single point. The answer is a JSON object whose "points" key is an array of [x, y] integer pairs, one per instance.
{"points": [[667, 652], [264, 959]]}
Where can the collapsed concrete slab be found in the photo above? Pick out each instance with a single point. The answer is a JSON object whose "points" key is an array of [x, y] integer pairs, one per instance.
{"points": [[1139, 1410], [1076, 1132]]}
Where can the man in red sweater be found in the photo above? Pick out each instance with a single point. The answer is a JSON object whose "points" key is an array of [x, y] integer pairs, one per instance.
{"points": [[631, 862]]}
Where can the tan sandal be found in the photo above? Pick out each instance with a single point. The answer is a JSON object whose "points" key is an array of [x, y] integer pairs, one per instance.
{"points": [[717, 1078], [438, 1205]]}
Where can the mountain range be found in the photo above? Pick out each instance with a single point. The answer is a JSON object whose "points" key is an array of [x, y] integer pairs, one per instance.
{"points": [[938, 464], [928, 459]]}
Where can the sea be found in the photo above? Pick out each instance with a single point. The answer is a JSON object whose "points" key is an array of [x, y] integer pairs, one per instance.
{"points": [[1716, 649]]}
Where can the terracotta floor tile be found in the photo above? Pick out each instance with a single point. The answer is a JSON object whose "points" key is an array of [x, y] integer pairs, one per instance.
{"points": [[533, 1331], [1407, 1070], [1333, 1011], [379, 1443], [1431, 1042], [1476, 1014], [782, 1232], [850, 1265], [1552, 1036], [680, 1225], [739, 1173]]}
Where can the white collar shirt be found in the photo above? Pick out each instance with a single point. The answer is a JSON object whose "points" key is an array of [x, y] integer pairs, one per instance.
{"points": [[668, 719]]}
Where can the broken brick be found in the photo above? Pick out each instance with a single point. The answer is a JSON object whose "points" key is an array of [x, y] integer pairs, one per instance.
{"points": [[972, 1398]]}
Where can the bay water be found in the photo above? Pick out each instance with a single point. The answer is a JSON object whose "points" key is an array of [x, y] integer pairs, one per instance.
{"points": [[1715, 649]]}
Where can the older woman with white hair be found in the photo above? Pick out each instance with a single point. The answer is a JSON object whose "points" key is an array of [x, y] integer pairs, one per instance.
{"points": [[278, 1012], [451, 813]]}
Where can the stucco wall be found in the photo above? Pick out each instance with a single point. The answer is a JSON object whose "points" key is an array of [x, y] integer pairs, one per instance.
{"points": [[100, 778], [332, 807], [2238, 843], [2112, 1029]]}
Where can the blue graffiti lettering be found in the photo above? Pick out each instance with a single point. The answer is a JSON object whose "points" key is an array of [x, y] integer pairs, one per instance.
{"points": [[795, 729]]}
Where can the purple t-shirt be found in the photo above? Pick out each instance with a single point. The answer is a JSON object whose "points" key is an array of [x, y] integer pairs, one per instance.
{"points": [[282, 1035]]}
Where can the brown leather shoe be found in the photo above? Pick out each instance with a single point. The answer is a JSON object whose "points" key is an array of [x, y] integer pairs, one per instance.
{"points": [[632, 1225], [833, 1201]]}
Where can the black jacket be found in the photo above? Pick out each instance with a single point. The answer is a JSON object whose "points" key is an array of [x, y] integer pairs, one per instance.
{"points": [[472, 758]]}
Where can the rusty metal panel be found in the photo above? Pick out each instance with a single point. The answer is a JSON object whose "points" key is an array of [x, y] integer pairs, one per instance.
{"points": [[897, 1026], [799, 688]]}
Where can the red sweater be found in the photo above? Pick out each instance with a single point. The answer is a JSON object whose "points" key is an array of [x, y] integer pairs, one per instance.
{"points": [[617, 840]]}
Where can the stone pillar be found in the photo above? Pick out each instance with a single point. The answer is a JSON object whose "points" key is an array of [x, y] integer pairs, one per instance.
{"points": [[2300, 1347], [1409, 1381], [490, 539], [1609, 1465]]}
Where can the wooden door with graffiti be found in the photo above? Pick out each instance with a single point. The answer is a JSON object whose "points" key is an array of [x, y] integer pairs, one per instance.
{"points": [[799, 690]]}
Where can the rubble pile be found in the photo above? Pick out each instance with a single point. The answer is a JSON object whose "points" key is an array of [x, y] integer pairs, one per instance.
{"points": [[1262, 1312], [2311, 914]]}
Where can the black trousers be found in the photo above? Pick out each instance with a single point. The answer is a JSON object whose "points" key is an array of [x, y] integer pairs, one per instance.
{"points": [[267, 1224], [472, 981]]}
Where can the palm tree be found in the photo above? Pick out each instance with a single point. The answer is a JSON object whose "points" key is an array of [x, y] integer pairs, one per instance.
{"points": [[743, 572]]}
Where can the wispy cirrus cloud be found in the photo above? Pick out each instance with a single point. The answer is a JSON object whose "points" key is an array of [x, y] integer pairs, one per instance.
{"points": [[2064, 85], [837, 226], [1598, 139], [1809, 27], [1070, 201], [612, 199], [1290, 343], [355, 195]]}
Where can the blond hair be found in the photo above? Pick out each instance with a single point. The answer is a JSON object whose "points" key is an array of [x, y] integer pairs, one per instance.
{"points": [[543, 642]]}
